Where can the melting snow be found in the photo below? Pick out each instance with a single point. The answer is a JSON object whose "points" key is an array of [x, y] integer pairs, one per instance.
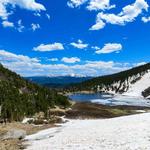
{"points": [[123, 100], [138, 87], [122, 133]]}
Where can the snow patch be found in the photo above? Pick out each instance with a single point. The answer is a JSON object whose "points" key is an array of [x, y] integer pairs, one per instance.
{"points": [[26, 120], [123, 100], [122, 133], [138, 87]]}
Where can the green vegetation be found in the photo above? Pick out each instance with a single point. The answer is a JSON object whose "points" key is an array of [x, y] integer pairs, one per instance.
{"points": [[19, 97], [108, 80]]}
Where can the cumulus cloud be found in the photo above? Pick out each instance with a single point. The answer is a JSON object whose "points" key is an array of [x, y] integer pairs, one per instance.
{"points": [[92, 4], [70, 60], [8, 24], [128, 14], [25, 4], [75, 3], [109, 48], [35, 26], [79, 44], [99, 24], [146, 19], [7, 8], [49, 47], [6, 56], [35, 67], [99, 5], [3, 11], [53, 59]]}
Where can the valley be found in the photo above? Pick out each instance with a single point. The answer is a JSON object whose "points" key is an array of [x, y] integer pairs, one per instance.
{"points": [[88, 100]]}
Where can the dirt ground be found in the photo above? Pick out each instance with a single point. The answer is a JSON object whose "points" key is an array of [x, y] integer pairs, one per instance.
{"points": [[15, 144]]}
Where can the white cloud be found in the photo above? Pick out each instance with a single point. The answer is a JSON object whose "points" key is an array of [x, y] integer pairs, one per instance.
{"points": [[6, 11], [33, 66], [31, 5], [75, 3], [70, 60], [49, 47], [92, 4], [37, 14], [8, 24], [99, 5], [79, 44], [146, 19], [53, 59], [3, 11], [26, 4], [109, 48], [95, 47], [99, 24], [6, 56], [140, 64], [48, 16], [128, 14], [35, 26], [20, 27]]}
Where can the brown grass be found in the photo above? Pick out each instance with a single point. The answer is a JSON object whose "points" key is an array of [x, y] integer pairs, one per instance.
{"points": [[89, 110], [15, 144]]}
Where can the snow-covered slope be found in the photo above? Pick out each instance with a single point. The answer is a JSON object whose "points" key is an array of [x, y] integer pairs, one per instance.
{"points": [[131, 86], [131, 82], [138, 87], [122, 133]]}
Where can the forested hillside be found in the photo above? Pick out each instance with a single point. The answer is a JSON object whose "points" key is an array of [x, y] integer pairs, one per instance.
{"points": [[115, 83], [19, 98]]}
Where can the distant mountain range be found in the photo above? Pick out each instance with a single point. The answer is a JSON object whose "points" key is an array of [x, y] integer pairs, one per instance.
{"points": [[132, 82], [57, 81]]}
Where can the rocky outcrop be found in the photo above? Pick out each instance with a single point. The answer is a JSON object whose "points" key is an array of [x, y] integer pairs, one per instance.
{"points": [[146, 93]]}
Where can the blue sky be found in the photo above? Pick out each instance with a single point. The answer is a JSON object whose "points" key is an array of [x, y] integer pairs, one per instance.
{"points": [[83, 37]]}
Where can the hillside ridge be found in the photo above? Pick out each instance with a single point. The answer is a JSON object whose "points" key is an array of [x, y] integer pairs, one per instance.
{"points": [[20, 98], [117, 83]]}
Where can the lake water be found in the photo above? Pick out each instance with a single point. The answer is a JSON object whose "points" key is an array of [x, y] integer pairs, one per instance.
{"points": [[110, 100]]}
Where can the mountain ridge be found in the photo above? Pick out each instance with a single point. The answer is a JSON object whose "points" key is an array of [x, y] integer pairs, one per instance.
{"points": [[115, 83], [57, 81]]}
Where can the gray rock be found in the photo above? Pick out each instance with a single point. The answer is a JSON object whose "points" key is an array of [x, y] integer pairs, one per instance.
{"points": [[15, 134]]}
